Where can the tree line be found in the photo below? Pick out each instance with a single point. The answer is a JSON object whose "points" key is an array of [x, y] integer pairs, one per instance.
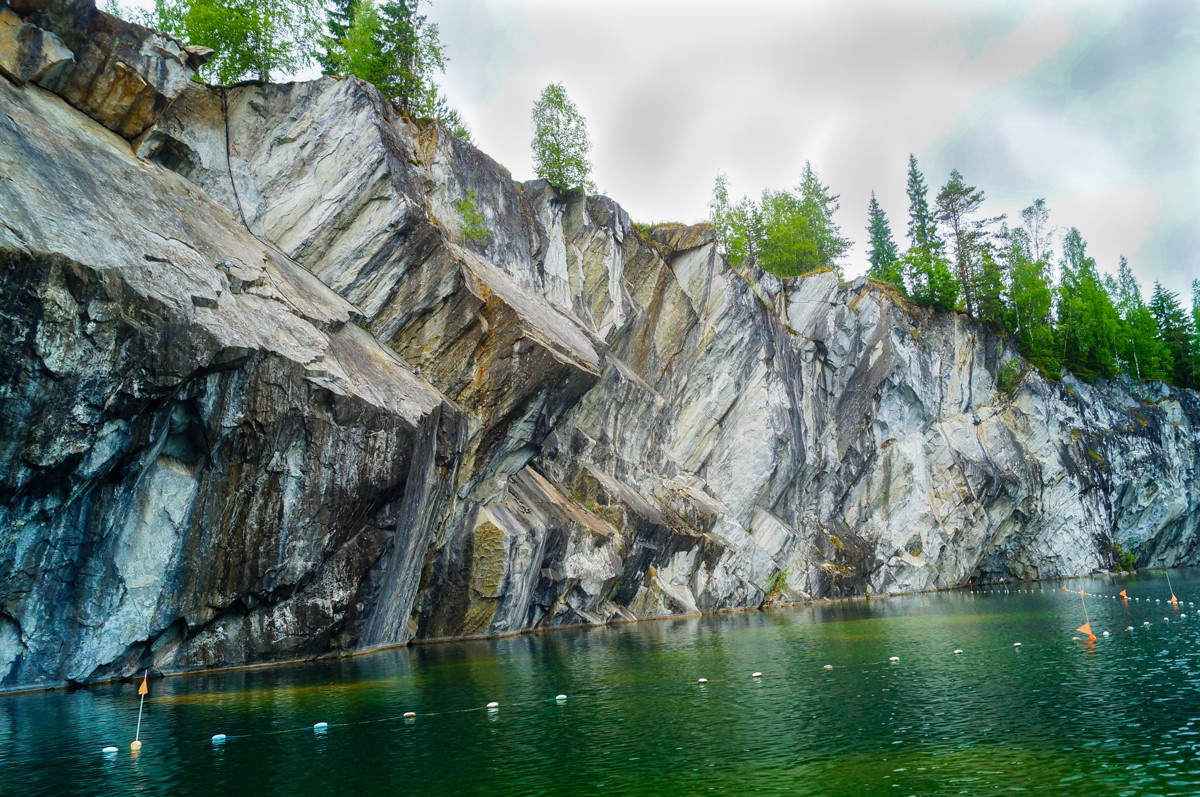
{"points": [[390, 44], [1061, 311]]}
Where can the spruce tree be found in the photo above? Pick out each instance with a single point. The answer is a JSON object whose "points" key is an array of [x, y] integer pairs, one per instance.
{"points": [[415, 49], [339, 16], [882, 255], [1141, 353], [1176, 329], [926, 269]]}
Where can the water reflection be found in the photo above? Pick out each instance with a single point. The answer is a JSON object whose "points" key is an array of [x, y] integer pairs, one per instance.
{"points": [[1054, 716]]}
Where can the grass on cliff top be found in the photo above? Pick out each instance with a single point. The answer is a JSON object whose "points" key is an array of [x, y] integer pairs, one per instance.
{"points": [[647, 227]]}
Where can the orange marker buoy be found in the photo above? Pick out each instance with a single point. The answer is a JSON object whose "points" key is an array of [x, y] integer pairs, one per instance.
{"points": [[1086, 628], [1123, 595], [143, 690]]}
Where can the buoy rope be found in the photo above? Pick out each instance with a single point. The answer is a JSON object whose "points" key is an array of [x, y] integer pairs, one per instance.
{"points": [[322, 728]]}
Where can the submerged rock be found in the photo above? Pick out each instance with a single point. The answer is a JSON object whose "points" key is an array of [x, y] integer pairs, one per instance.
{"points": [[204, 459]]}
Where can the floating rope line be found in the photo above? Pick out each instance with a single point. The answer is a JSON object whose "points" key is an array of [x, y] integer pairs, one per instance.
{"points": [[322, 728]]}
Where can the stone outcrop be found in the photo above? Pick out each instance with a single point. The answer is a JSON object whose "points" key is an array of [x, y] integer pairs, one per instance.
{"points": [[263, 399], [122, 75]]}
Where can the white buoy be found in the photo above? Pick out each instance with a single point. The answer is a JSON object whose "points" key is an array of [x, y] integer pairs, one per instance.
{"points": [[958, 651], [1158, 600], [109, 750], [321, 727], [410, 715], [493, 706], [756, 675], [561, 698], [219, 738], [1074, 639], [1105, 633], [701, 680], [1166, 619], [1146, 623], [1182, 616], [828, 666], [894, 659], [1128, 628], [1016, 644]]}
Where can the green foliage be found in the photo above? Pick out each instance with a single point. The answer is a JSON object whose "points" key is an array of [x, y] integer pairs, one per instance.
{"points": [[251, 38], [738, 227], [1089, 324], [957, 206], [358, 51], [929, 278], [1124, 556], [472, 223], [787, 233], [882, 255], [396, 49], [1009, 377], [1176, 329], [339, 15], [922, 230], [644, 228], [926, 270], [561, 147], [1029, 300], [1140, 351], [779, 583]]}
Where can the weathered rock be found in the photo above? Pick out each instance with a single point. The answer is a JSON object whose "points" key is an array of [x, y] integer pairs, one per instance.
{"points": [[29, 53], [203, 460], [120, 74]]}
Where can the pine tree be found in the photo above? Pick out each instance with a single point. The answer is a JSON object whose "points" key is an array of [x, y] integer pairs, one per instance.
{"points": [[957, 204], [883, 255]]}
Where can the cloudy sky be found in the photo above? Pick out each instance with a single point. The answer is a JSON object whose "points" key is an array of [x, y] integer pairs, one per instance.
{"points": [[1093, 105]]}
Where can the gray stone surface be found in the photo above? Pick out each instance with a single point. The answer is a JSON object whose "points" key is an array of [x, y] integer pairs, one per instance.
{"points": [[204, 460]]}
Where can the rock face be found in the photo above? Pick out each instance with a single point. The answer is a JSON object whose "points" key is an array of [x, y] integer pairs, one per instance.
{"points": [[262, 400]]}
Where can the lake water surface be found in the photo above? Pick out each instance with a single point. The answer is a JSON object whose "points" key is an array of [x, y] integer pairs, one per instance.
{"points": [[1055, 716]]}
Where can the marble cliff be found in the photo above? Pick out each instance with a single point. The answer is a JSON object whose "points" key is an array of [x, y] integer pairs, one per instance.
{"points": [[261, 399]]}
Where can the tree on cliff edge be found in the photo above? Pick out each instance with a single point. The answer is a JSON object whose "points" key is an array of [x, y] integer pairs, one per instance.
{"points": [[925, 266], [561, 146], [251, 38], [883, 256]]}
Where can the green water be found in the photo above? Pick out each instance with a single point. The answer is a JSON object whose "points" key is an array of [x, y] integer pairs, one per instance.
{"points": [[1056, 716]]}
